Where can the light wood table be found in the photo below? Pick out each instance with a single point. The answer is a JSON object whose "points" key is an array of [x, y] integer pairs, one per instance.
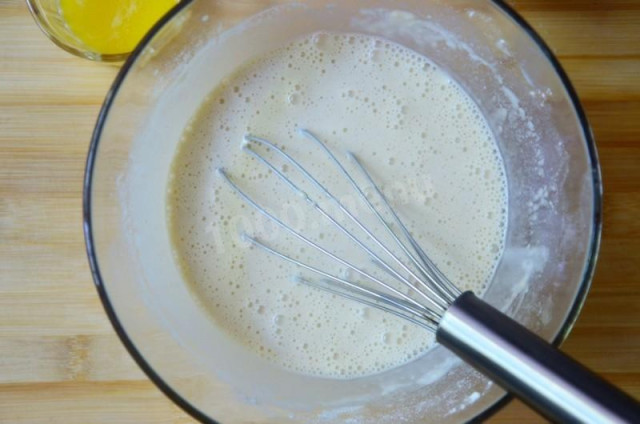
{"points": [[60, 360]]}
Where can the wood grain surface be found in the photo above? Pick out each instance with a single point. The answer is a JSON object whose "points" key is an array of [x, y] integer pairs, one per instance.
{"points": [[60, 360]]}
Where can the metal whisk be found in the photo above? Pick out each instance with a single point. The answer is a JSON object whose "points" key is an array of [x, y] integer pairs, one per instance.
{"points": [[505, 351]]}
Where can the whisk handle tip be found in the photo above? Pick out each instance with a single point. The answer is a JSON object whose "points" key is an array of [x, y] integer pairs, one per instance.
{"points": [[525, 364]]}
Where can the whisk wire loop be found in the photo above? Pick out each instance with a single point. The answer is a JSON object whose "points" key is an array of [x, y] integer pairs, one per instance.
{"points": [[435, 296], [433, 287], [306, 240], [425, 281], [431, 272]]}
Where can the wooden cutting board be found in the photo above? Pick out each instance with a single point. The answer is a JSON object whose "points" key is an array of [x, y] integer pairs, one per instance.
{"points": [[60, 360]]}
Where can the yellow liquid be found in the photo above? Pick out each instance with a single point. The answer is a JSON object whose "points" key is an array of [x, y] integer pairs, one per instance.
{"points": [[112, 26]]}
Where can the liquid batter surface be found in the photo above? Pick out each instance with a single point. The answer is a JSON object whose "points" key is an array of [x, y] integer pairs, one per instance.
{"points": [[425, 142]]}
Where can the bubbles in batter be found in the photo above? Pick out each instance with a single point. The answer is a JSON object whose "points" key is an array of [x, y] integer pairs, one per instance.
{"points": [[418, 132]]}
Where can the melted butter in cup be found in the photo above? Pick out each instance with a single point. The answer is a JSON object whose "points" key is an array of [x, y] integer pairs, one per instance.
{"points": [[104, 30], [112, 27]]}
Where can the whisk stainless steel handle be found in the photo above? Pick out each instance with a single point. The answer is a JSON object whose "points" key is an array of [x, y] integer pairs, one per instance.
{"points": [[527, 366], [505, 351]]}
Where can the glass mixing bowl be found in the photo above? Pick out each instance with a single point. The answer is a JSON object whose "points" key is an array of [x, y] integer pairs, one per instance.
{"points": [[553, 217]]}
